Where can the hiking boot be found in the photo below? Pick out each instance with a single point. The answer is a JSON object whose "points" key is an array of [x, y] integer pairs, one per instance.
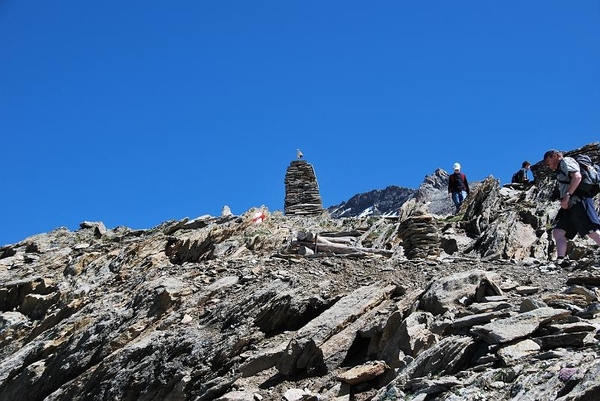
{"points": [[585, 263], [564, 262], [550, 265]]}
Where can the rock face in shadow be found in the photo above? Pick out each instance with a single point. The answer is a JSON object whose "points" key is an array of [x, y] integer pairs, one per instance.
{"points": [[227, 308]]}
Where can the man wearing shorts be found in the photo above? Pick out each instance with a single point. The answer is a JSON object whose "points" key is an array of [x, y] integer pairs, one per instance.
{"points": [[577, 214]]}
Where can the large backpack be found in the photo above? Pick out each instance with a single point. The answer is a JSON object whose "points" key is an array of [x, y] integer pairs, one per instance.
{"points": [[518, 177], [590, 177]]}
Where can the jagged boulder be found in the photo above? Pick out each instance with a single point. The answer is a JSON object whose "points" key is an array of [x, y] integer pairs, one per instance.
{"points": [[482, 206], [508, 223], [323, 337], [449, 356], [451, 292], [433, 194]]}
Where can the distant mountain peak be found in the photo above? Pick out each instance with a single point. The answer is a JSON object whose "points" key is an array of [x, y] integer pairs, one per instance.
{"points": [[378, 202]]}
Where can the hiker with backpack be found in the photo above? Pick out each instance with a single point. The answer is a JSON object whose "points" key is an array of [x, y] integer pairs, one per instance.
{"points": [[520, 177], [457, 184], [577, 185]]}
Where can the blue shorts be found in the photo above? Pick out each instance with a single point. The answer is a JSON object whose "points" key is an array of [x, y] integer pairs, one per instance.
{"points": [[580, 219]]}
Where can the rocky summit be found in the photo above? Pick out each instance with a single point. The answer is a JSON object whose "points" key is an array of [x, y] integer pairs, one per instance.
{"points": [[421, 305]]}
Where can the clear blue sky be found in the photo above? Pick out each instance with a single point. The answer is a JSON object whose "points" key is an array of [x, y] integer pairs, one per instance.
{"points": [[137, 112]]}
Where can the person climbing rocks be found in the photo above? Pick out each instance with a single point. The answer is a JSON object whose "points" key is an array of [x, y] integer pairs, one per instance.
{"points": [[577, 214], [457, 186]]}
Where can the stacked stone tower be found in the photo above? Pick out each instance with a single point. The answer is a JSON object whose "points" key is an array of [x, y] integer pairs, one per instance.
{"points": [[302, 195], [420, 236]]}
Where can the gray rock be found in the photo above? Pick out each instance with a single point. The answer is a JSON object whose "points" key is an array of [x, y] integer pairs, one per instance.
{"points": [[529, 304], [448, 356], [480, 318], [519, 326], [590, 296], [306, 351], [414, 334], [564, 340], [12, 321], [512, 354], [363, 373], [443, 294], [483, 307]]}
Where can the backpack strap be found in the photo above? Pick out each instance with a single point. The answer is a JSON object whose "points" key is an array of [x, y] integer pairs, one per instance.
{"points": [[561, 169]]}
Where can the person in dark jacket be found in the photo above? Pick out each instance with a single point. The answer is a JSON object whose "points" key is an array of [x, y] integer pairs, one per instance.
{"points": [[521, 175], [457, 185]]}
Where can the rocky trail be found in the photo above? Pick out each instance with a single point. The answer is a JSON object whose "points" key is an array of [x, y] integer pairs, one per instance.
{"points": [[421, 306]]}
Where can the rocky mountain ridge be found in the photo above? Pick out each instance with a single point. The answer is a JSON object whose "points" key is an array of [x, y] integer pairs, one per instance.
{"points": [[384, 202], [389, 201], [420, 306], [432, 191]]}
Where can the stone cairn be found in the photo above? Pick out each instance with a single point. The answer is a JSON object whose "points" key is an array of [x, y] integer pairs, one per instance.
{"points": [[420, 236], [302, 195]]}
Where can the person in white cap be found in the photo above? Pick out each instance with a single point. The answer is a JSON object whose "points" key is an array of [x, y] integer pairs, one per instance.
{"points": [[457, 185]]}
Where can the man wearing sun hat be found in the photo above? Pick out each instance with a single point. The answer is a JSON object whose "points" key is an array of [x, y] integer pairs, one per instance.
{"points": [[457, 185]]}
